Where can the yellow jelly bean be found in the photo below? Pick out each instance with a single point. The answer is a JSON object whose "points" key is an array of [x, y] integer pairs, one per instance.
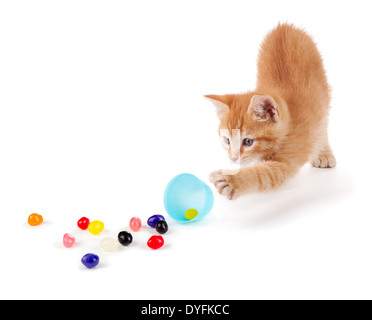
{"points": [[96, 227], [191, 214]]}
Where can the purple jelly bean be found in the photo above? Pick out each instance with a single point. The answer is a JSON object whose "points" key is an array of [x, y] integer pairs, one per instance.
{"points": [[90, 260], [154, 219]]}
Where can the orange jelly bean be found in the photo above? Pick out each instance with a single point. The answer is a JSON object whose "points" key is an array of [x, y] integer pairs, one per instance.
{"points": [[35, 219]]}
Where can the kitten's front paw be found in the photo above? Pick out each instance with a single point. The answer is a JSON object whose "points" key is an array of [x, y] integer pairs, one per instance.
{"points": [[324, 160], [225, 184]]}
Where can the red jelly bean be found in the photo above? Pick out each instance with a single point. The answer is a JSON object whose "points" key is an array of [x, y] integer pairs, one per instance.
{"points": [[155, 242], [83, 223]]}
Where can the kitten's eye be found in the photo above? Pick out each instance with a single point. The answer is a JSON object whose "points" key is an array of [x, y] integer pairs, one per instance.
{"points": [[226, 140], [248, 142]]}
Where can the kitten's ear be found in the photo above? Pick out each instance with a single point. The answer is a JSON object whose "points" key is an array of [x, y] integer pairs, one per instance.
{"points": [[264, 108], [220, 102]]}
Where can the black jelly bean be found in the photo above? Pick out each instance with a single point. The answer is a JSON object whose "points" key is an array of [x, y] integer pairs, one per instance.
{"points": [[161, 226], [125, 238]]}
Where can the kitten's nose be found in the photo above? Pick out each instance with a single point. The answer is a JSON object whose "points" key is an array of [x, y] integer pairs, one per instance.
{"points": [[234, 159]]}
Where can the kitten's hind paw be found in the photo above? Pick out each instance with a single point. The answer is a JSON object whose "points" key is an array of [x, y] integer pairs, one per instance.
{"points": [[324, 160], [224, 184]]}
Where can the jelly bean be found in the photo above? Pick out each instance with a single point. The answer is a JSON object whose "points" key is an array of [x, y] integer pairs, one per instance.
{"points": [[154, 219], [35, 219], [68, 240], [161, 226], [125, 238], [96, 227], [191, 214], [155, 242], [135, 223], [90, 260], [109, 244], [83, 223]]}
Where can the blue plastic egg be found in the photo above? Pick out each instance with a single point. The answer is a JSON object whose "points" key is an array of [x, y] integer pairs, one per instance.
{"points": [[187, 198]]}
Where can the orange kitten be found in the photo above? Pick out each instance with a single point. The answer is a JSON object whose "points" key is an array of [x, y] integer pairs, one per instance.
{"points": [[283, 123]]}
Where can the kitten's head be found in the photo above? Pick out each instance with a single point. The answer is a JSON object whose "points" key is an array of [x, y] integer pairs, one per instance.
{"points": [[252, 126]]}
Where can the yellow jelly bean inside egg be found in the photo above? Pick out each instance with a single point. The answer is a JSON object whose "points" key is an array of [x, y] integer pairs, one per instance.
{"points": [[191, 214]]}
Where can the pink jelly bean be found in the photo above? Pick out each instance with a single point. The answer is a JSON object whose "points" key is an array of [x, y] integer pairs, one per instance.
{"points": [[135, 223], [68, 240]]}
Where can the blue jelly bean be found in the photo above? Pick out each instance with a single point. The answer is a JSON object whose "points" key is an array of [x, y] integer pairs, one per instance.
{"points": [[90, 260], [154, 219]]}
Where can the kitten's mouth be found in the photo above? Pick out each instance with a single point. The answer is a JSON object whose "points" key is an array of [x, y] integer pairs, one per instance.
{"points": [[247, 162], [244, 161], [238, 161]]}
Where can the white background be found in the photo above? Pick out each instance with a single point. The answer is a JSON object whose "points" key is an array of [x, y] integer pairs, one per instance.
{"points": [[101, 104]]}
